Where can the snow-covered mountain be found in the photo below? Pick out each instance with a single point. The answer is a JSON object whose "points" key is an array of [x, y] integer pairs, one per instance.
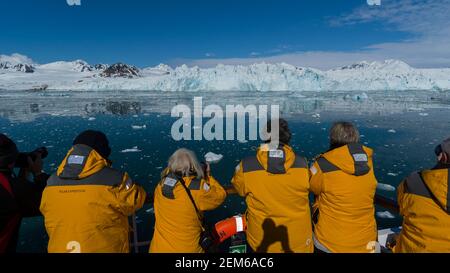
{"points": [[16, 62], [363, 76]]}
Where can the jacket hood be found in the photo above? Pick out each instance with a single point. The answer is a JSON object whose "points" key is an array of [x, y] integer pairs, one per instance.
{"points": [[276, 161], [437, 181], [80, 162], [353, 159]]}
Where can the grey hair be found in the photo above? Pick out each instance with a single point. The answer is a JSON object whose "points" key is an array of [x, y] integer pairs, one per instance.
{"points": [[343, 133], [185, 162]]}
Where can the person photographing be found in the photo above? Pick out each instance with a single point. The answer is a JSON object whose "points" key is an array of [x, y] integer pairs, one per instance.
{"points": [[19, 197]]}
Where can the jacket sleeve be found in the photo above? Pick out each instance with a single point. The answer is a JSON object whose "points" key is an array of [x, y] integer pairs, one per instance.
{"points": [[401, 198], [316, 179], [130, 196], [210, 196], [238, 181], [28, 195]]}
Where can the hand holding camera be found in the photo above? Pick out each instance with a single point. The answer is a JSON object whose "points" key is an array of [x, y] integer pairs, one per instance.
{"points": [[31, 162]]}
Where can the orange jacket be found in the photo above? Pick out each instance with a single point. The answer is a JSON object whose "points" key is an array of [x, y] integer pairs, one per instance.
{"points": [[344, 184], [275, 184]]}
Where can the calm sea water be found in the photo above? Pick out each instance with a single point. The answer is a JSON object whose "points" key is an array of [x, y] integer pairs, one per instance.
{"points": [[402, 127]]}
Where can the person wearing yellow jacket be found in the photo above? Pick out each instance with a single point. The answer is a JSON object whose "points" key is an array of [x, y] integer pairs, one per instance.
{"points": [[275, 184], [178, 224], [86, 204], [424, 201], [344, 186]]}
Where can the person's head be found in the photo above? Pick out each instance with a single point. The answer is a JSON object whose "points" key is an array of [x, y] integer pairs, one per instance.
{"points": [[185, 163], [284, 132], [8, 153], [343, 133], [443, 152], [96, 140]]}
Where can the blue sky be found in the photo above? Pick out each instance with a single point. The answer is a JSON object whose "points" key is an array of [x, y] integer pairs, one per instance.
{"points": [[318, 33]]}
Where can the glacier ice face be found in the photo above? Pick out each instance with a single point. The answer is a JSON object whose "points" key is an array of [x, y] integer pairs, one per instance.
{"points": [[390, 75]]}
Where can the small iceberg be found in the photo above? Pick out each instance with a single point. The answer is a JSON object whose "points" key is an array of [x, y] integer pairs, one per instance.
{"points": [[385, 215], [135, 149], [392, 131], [385, 187], [91, 119], [138, 127], [213, 158]]}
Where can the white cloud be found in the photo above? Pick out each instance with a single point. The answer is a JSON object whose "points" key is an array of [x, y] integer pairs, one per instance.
{"points": [[16, 58], [427, 21]]}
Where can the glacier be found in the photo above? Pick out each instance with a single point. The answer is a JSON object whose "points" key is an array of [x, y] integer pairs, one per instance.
{"points": [[388, 75]]}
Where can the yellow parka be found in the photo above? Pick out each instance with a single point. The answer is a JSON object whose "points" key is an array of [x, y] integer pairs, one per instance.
{"points": [[275, 184], [86, 205], [177, 225], [424, 200], [344, 185]]}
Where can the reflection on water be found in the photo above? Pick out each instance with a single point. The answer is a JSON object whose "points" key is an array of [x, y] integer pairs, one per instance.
{"points": [[402, 128], [26, 106]]}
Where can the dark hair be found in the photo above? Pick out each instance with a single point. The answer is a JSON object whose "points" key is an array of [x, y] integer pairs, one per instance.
{"points": [[343, 133], [96, 140], [284, 131], [8, 152]]}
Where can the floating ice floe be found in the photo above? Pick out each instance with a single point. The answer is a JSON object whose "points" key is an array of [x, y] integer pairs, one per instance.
{"points": [[91, 118], [317, 115], [392, 131], [423, 114], [385, 215], [213, 158], [135, 149], [138, 127], [385, 187]]}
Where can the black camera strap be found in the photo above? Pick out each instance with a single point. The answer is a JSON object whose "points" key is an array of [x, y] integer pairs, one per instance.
{"points": [[197, 211]]}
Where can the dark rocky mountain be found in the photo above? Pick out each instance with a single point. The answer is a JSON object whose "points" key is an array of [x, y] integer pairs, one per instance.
{"points": [[100, 67], [120, 70], [27, 68]]}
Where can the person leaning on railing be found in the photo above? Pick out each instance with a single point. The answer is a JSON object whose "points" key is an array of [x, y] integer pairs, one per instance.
{"points": [[86, 203], [344, 185], [275, 184], [185, 191], [424, 200]]}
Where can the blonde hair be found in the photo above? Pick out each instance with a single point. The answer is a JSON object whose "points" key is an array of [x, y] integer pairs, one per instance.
{"points": [[343, 133], [184, 162]]}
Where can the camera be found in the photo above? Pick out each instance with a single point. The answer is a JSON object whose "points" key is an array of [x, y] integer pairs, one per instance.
{"points": [[22, 159], [207, 243]]}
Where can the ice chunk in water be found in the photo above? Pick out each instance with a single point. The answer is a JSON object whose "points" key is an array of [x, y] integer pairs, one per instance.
{"points": [[138, 127], [385, 187], [135, 149], [385, 215], [213, 158], [392, 131]]}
